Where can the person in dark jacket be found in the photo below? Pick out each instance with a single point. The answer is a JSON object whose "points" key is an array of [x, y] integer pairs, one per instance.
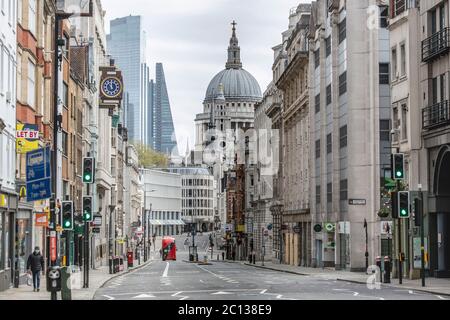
{"points": [[35, 264]]}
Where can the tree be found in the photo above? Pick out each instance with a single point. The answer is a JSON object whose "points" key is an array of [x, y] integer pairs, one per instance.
{"points": [[149, 158]]}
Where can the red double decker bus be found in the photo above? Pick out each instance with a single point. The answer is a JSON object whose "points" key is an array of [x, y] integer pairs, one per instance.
{"points": [[169, 249]]}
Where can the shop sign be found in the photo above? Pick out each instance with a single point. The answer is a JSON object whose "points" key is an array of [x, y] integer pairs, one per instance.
{"points": [[3, 200], [240, 228], [27, 137], [53, 246], [41, 220]]}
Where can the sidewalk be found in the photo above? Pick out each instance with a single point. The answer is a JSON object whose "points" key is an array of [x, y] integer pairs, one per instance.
{"points": [[97, 278], [433, 285]]}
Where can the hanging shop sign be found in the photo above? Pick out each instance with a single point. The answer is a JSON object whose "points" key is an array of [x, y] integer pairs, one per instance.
{"points": [[41, 220], [27, 137], [330, 227]]}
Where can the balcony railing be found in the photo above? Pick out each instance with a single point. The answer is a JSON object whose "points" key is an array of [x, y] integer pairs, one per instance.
{"points": [[436, 45], [436, 115]]}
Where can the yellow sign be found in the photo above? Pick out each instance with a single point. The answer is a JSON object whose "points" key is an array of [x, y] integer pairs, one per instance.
{"points": [[240, 228], [23, 192], [27, 137], [3, 201]]}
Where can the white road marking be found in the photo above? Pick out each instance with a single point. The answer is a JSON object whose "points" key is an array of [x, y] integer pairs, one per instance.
{"points": [[441, 297], [142, 296], [109, 297], [166, 271], [221, 293]]}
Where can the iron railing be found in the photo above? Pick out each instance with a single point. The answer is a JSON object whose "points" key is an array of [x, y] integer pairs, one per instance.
{"points": [[436, 115], [436, 45]]}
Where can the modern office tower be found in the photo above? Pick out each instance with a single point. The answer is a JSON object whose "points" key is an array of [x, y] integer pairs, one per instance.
{"points": [[164, 138], [127, 46]]}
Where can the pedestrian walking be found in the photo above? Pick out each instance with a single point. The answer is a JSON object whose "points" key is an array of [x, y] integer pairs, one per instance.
{"points": [[35, 265]]}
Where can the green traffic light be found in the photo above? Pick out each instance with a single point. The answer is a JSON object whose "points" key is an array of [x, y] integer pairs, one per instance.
{"points": [[87, 177], [67, 224], [399, 173]]}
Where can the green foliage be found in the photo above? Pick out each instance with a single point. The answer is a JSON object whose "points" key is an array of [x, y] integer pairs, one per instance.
{"points": [[149, 158]]}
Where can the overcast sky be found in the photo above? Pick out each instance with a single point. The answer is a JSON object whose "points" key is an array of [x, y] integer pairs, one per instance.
{"points": [[190, 38]]}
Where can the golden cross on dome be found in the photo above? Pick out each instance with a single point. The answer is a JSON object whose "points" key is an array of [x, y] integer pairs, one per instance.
{"points": [[234, 25]]}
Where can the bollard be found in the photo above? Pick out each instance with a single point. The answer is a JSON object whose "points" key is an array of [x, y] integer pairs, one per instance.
{"points": [[66, 292], [217, 257], [387, 270], [378, 263]]}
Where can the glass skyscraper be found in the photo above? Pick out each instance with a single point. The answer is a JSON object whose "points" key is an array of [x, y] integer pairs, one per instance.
{"points": [[164, 138], [127, 46]]}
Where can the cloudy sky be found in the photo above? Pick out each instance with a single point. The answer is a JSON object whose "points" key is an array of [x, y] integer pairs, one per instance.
{"points": [[190, 37]]}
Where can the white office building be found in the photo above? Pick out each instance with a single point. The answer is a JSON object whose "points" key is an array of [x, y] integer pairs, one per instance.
{"points": [[162, 203]]}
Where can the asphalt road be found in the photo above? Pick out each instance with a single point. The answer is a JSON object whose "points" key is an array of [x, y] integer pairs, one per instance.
{"points": [[180, 280]]}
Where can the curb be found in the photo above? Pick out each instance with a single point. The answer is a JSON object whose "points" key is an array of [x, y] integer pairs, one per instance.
{"points": [[124, 273], [399, 287], [353, 281]]}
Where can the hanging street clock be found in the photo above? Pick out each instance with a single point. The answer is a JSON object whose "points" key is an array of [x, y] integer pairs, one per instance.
{"points": [[111, 87]]}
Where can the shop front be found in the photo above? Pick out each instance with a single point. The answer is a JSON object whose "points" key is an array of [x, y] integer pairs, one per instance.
{"points": [[8, 207], [23, 244]]}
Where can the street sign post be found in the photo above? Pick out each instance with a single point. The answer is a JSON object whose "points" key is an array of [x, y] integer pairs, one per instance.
{"points": [[39, 185]]}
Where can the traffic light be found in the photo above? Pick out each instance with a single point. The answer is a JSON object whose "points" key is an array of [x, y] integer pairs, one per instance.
{"points": [[394, 202], [87, 209], [403, 205], [67, 215], [88, 170], [398, 166]]}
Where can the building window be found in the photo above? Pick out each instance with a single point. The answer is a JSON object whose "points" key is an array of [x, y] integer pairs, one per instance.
{"points": [[385, 130], [329, 192], [318, 149], [342, 30], [396, 123], [318, 195], [343, 137], [2, 72], [394, 63], [399, 7], [384, 73], [32, 18], [383, 17], [317, 58], [31, 97], [328, 46], [65, 143], [402, 60], [344, 190], [329, 144], [65, 95], [317, 103], [329, 94], [404, 129], [343, 83]]}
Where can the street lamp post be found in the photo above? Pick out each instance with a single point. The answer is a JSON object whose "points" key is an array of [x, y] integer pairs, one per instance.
{"points": [[367, 245], [144, 216]]}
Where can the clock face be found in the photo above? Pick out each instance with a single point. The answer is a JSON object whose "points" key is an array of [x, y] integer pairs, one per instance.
{"points": [[111, 87]]}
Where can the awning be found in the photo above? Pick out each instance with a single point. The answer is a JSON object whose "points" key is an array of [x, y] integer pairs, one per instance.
{"points": [[167, 222]]}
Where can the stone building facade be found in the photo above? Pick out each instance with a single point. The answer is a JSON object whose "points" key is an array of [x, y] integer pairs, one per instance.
{"points": [[350, 116], [293, 83]]}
